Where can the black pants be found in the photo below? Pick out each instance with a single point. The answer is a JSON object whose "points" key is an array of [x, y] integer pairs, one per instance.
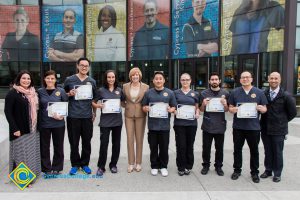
{"points": [[116, 144], [273, 145], [185, 138], [252, 137], [80, 127], [207, 139], [58, 135], [159, 146]]}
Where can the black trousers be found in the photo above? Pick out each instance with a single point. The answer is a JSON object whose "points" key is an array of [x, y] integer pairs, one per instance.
{"points": [[58, 135], [116, 144], [159, 146], [185, 138], [273, 145], [207, 139], [252, 137], [80, 127]]}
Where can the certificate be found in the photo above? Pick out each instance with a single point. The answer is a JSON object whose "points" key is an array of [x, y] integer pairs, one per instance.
{"points": [[59, 108], [83, 92], [158, 110], [185, 112], [111, 106], [247, 110], [215, 105]]}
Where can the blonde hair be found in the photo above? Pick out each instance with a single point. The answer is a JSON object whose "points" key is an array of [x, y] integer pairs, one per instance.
{"points": [[133, 71]]}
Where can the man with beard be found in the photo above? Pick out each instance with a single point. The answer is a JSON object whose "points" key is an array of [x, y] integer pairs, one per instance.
{"points": [[151, 40], [214, 123], [199, 35]]}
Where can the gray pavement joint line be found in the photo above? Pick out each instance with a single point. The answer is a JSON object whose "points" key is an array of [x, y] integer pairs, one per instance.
{"points": [[206, 191]]}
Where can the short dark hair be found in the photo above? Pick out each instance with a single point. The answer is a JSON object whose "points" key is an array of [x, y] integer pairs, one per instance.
{"points": [[20, 74], [105, 83], [48, 73], [214, 74], [113, 15], [159, 72], [70, 9], [83, 58]]}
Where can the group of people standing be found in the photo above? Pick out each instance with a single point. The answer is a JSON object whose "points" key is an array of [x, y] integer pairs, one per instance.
{"points": [[31, 128]]}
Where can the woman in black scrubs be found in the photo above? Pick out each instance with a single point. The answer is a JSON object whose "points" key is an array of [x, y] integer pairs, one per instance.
{"points": [[185, 129], [109, 122]]}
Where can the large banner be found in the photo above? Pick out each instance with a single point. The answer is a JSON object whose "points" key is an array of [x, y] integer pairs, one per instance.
{"points": [[62, 30], [148, 29], [105, 31], [195, 28], [19, 33], [252, 26]]}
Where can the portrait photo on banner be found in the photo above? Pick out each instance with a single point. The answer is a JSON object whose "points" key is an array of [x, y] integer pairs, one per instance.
{"points": [[195, 28], [252, 26], [63, 33], [19, 33], [148, 29], [106, 31]]}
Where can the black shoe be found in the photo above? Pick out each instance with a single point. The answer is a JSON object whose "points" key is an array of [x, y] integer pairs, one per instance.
{"points": [[255, 178], [114, 170], [204, 170], [54, 172], [276, 179], [219, 171], [235, 175], [266, 174], [187, 172], [180, 173]]}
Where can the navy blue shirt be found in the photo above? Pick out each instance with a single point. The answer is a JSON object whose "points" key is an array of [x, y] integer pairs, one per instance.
{"points": [[58, 95], [80, 108], [110, 119], [213, 122], [191, 98], [166, 96], [255, 95]]}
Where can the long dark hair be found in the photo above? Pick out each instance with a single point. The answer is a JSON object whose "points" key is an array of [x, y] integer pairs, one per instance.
{"points": [[20, 74], [113, 15], [105, 83], [48, 73]]}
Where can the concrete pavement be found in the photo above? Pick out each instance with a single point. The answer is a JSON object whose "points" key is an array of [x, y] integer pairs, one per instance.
{"points": [[143, 185]]}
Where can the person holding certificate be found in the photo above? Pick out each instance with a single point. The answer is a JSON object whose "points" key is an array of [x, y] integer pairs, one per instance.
{"points": [[135, 118], [81, 90], [214, 105], [52, 124], [159, 102], [109, 100], [185, 124], [246, 103]]}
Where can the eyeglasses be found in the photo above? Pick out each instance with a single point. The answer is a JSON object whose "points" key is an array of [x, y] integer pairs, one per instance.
{"points": [[185, 80], [246, 77], [82, 66]]}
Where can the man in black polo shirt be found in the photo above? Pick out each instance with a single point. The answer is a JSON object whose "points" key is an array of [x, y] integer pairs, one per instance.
{"points": [[214, 124], [199, 35], [274, 125], [246, 124]]}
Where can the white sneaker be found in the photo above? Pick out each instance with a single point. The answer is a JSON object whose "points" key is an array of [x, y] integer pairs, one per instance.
{"points": [[164, 172], [154, 172]]}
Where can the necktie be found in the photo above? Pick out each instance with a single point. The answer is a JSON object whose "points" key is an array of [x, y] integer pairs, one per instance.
{"points": [[272, 95]]}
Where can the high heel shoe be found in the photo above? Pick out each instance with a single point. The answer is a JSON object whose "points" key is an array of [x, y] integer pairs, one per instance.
{"points": [[130, 168], [138, 168]]}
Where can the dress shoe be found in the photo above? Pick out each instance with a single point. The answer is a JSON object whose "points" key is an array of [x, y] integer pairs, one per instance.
{"points": [[255, 178], [100, 172], [266, 174], [114, 170], [219, 171], [235, 175], [138, 168], [204, 170], [276, 179], [187, 171], [130, 168], [180, 173]]}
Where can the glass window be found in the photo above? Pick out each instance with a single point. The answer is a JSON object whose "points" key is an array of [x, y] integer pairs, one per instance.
{"points": [[230, 76], [62, 2], [298, 38], [8, 2], [29, 2], [298, 14], [297, 70]]}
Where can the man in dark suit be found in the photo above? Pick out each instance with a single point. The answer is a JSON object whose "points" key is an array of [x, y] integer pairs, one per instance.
{"points": [[274, 123]]}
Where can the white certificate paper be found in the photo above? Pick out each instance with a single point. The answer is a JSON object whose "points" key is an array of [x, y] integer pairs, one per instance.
{"points": [[247, 110], [215, 105], [185, 112], [111, 106], [59, 108], [83, 92], [158, 110]]}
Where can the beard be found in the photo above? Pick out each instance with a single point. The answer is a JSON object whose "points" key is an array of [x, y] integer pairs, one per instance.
{"points": [[215, 85]]}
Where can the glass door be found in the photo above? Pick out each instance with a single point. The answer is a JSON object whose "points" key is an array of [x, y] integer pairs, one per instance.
{"points": [[248, 63]]}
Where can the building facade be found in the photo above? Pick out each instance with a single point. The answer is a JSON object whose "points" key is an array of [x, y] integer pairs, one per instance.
{"points": [[173, 36]]}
